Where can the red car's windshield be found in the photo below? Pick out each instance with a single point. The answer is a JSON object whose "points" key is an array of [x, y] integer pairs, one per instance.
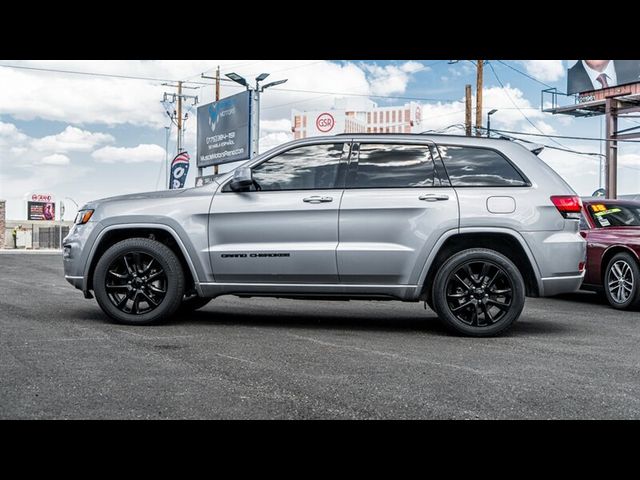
{"points": [[614, 215]]}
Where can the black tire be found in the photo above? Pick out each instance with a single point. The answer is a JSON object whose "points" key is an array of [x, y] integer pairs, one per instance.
{"points": [[623, 294], [475, 300], [192, 303], [125, 276]]}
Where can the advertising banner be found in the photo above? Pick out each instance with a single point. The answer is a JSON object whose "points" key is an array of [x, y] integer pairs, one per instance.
{"points": [[590, 75], [179, 170], [224, 130], [41, 206], [41, 211]]}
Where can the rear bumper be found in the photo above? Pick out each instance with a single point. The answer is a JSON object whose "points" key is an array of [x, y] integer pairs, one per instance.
{"points": [[557, 285]]}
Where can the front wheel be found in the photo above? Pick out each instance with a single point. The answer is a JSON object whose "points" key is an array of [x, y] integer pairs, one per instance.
{"points": [[478, 292], [622, 282], [139, 281]]}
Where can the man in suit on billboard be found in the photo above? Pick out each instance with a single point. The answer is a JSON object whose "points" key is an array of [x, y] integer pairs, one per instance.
{"points": [[587, 75]]}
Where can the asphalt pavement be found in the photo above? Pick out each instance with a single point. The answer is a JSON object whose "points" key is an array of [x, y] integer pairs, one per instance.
{"points": [[570, 357]]}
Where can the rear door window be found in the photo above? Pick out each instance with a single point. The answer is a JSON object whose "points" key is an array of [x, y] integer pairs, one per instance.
{"points": [[386, 165], [479, 167]]}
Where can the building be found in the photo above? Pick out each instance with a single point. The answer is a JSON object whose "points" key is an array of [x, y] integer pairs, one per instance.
{"points": [[356, 116], [2, 222]]}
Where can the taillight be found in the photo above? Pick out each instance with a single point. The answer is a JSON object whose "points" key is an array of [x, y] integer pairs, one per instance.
{"points": [[569, 206]]}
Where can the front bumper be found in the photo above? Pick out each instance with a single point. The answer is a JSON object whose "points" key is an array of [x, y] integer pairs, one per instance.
{"points": [[75, 254], [77, 282]]}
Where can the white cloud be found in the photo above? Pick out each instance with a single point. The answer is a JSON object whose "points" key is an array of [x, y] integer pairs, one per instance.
{"points": [[443, 114], [55, 159], [72, 139], [80, 99], [545, 70], [141, 153], [391, 78], [282, 125]]}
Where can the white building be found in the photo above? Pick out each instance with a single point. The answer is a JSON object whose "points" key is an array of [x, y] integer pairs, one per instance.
{"points": [[356, 116]]}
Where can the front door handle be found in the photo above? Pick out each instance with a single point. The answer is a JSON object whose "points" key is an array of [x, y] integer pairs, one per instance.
{"points": [[432, 197], [317, 199]]}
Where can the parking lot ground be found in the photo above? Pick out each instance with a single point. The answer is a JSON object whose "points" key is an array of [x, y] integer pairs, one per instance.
{"points": [[568, 357]]}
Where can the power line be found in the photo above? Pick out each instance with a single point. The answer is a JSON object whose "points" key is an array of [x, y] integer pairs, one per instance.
{"points": [[525, 74], [521, 112], [92, 74], [232, 84], [563, 136]]}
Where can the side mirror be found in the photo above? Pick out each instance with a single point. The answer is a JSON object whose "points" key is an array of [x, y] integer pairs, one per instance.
{"points": [[242, 179]]}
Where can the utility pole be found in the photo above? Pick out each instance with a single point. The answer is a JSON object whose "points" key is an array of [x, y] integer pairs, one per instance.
{"points": [[611, 167], [177, 117], [467, 110], [179, 120], [479, 74]]}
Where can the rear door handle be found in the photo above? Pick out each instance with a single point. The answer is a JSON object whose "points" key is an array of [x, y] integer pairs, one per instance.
{"points": [[432, 197], [317, 199]]}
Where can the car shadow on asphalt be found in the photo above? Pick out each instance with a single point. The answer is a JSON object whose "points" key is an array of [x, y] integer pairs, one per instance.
{"points": [[583, 296], [427, 323]]}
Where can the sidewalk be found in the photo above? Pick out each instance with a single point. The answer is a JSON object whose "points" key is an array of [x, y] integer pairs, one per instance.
{"points": [[41, 251]]}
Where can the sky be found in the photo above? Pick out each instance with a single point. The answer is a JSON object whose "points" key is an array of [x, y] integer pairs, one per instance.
{"points": [[84, 137]]}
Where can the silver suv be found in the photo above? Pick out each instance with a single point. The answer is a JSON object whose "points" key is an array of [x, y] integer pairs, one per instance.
{"points": [[469, 225]]}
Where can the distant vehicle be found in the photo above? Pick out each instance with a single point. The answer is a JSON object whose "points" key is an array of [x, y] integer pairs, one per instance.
{"points": [[612, 231], [469, 225]]}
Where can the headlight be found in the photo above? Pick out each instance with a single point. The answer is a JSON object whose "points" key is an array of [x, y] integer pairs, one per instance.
{"points": [[83, 217]]}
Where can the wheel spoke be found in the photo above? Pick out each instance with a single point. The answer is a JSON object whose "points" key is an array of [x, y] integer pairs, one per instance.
{"points": [[117, 286], [487, 312], [483, 272], [151, 300], [502, 306], [155, 289], [118, 275], [122, 302], [137, 262], [503, 291], [460, 307], [457, 277], [494, 278], [155, 275], [617, 271], [126, 263], [135, 308], [457, 295], [146, 269]]}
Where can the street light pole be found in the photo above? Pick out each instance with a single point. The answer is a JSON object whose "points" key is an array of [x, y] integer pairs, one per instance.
{"points": [[255, 105], [489, 121]]}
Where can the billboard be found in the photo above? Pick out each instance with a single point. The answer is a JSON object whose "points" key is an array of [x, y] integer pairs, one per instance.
{"points": [[590, 75], [224, 130], [41, 210]]}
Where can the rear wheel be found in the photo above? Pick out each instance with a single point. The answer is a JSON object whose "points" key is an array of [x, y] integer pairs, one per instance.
{"points": [[622, 282], [138, 281], [478, 292]]}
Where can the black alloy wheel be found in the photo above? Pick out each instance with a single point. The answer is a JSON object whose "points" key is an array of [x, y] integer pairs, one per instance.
{"points": [[136, 283], [139, 281], [478, 292]]}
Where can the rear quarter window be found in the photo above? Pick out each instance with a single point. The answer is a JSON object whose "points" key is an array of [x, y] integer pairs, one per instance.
{"points": [[479, 167]]}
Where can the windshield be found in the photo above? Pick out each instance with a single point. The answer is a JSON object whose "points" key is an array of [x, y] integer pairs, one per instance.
{"points": [[612, 215]]}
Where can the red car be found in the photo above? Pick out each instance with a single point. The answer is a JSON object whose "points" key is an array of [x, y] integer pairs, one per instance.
{"points": [[612, 231]]}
